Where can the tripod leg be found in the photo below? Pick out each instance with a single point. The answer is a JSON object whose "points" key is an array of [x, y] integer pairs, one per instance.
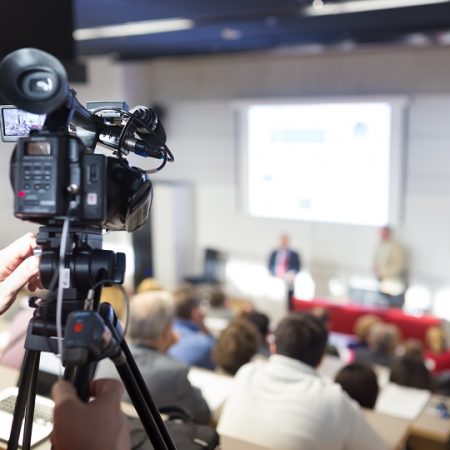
{"points": [[81, 380], [29, 411], [28, 372], [146, 394], [154, 431]]}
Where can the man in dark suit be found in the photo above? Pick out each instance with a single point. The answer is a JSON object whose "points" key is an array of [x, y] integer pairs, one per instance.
{"points": [[285, 263]]}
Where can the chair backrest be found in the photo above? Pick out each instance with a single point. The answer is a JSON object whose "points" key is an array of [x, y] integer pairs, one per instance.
{"points": [[211, 265]]}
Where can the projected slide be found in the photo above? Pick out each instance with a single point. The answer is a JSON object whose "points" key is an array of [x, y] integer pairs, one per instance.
{"points": [[322, 162]]}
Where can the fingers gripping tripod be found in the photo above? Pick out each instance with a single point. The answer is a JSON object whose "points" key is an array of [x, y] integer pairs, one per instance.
{"points": [[89, 335]]}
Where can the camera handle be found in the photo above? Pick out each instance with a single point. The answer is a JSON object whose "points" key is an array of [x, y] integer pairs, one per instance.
{"points": [[87, 265]]}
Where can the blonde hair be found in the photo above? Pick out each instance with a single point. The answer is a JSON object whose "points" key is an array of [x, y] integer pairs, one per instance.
{"points": [[435, 339], [114, 296], [148, 284], [363, 325]]}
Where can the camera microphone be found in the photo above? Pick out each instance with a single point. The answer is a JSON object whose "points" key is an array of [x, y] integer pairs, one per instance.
{"points": [[154, 133]]}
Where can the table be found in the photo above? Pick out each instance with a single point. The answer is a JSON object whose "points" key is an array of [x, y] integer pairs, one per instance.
{"points": [[393, 430], [343, 317]]}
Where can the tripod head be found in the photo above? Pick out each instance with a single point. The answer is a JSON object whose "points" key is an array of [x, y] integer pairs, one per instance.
{"points": [[86, 266]]}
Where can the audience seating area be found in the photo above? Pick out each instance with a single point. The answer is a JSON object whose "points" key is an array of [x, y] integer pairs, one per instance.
{"points": [[402, 415]]}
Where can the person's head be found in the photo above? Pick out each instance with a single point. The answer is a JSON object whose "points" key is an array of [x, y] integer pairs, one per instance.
{"points": [[301, 336], [360, 382], [235, 346], [284, 241], [148, 284], [215, 297], [363, 325], [385, 233], [151, 317], [410, 371], [260, 321], [435, 339], [383, 338], [412, 347], [188, 304], [323, 315]]}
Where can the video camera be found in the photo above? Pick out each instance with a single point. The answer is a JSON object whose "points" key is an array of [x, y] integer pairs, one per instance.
{"points": [[60, 181], [54, 169]]}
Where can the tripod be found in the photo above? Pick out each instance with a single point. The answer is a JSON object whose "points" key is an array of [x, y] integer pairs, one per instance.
{"points": [[96, 335]]}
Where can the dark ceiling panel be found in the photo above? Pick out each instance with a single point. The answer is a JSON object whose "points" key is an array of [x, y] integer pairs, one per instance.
{"points": [[243, 25]]}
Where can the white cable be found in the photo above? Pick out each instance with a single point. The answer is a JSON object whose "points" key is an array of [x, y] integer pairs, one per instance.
{"points": [[59, 296]]}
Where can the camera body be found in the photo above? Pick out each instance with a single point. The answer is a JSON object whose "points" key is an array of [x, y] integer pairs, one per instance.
{"points": [[49, 169], [55, 171]]}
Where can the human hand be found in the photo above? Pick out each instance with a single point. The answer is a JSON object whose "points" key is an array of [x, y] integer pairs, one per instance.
{"points": [[18, 267], [97, 425]]}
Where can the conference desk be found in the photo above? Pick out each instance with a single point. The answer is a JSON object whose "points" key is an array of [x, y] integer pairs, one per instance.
{"points": [[344, 316]]}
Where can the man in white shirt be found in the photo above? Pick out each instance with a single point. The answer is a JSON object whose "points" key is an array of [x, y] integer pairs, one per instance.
{"points": [[284, 404]]}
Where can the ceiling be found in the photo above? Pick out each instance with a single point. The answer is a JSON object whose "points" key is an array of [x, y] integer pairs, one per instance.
{"points": [[245, 25]]}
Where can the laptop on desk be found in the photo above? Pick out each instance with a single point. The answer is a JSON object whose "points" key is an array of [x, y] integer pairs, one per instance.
{"points": [[42, 420], [49, 368]]}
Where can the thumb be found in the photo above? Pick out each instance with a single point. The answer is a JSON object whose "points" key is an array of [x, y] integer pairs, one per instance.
{"points": [[107, 389], [62, 391]]}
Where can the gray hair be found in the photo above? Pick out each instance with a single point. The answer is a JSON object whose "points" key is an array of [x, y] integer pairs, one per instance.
{"points": [[383, 337], [150, 313]]}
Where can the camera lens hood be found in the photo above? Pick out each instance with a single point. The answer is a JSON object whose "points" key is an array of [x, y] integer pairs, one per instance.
{"points": [[33, 80]]}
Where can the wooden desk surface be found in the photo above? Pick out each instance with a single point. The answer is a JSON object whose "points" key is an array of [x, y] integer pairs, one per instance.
{"points": [[430, 425], [393, 430]]}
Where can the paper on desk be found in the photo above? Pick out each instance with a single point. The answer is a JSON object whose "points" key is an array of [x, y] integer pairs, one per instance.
{"points": [[215, 388], [402, 401]]}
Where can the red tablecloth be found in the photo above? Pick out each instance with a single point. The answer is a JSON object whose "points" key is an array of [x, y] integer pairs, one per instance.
{"points": [[343, 317]]}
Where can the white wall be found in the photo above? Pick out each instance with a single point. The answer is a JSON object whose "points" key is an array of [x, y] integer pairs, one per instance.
{"points": [[198, 93]]}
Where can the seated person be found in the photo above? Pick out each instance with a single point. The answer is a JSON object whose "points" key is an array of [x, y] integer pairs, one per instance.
{"points": [[361, 330], [236, 346], [195, 344], [261, 322], [436, 350], [216, 304], [282, 403], [360, 382], [382, 341], [410, 371], [411, 347], [151, 317]]}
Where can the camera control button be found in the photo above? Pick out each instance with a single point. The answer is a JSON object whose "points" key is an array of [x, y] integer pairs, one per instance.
{"points": [[27, 177], [37, 186], [46, 177], [27, 186], [37, 177], [47, 187]]}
